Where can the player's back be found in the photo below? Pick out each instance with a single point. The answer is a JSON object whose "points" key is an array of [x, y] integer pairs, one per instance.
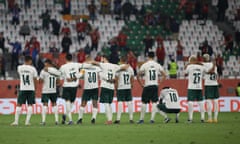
{"points": [[49, 81], [27, 73], [170, 98], [195, 75], [124, 77], [70, 71], [151, 70], [211, 78], [91, 77]]}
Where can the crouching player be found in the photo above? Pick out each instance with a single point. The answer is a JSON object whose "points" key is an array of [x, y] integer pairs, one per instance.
{"points": [[169, 103]]}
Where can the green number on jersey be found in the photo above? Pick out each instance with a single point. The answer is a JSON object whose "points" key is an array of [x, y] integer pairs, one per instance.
{"points": [[196, 79], [126, 78], [92, 77], [152, 74], [51, 82], [173, 97], [25, 79]]}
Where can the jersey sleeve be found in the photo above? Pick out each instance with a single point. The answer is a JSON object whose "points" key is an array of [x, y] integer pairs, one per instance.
{"points": [[35, 74], [54, 71], [41, 75]]}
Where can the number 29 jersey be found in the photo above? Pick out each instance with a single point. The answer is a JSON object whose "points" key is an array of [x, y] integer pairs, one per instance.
{"points": [[27, 74], [70, 70], [151, 70], [195, 75]]}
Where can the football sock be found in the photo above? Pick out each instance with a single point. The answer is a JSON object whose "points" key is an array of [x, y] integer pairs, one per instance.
{"points": [[68, 110], [29, 114], [44, 111], [163, 113], [94, 113], [106, 110], [119, 112], [130, 110], [154, 110], [55, 110], [190, 110], [143, 110], [216, 109], [17, 114], [81, 111], [110, 112], [209, 109], [177, 115], [202, 111]]}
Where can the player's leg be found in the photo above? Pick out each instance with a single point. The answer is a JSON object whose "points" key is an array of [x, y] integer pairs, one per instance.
{"points": [[161, 108], [21, 99], [190, 111], [44, 100], [154, 100], [202, 110], [70, 103], [216, 109], [145, 101], [177, 117], [94, 111], [81, 111], [209, 110], [120, 98], [30, 101], [130, 111], [106, 98], [53, 99]]}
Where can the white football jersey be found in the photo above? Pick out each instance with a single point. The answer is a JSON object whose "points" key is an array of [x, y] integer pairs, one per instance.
{"points": [[124, 78], [151, 70], [49, 80], [91, 77], [170, 98], [108, 73], [195, 75], [27, 73], [210, 79], [70, 70]]}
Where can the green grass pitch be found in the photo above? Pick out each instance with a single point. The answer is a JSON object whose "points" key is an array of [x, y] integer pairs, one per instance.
{"points": [[226, 131]]}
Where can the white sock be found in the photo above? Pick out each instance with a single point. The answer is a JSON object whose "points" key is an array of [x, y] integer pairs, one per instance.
{"points": [[163, 113], [143, 110], [68, 110], [106, 110], [119, 112], [17, 114], [94, 113], [81, 111], [154, 110], [209, 109], [29, 114], [130, 110], [216, 109], [190, 110], [110, 112], [55, 110], [44, 113], [202, 111], [177, 115]]}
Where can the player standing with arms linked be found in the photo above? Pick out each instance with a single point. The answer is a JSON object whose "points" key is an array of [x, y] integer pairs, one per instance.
{"points": [[169, 103], [49, 76], [211, 90], [90, 92], [150, 71], [28, 80], [70, 74], [124, 83]]}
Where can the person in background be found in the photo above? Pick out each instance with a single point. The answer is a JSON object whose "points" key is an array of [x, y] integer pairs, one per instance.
{"points": [[16, 14], [127, 8], [65, 29], [25, 29], [92, 10], [81, 56], [219, 65], [160, 52], [172, 68], [66, 43], [2, 67], [45, 20], [95, 37], [132, 60], [179, 51], [2, 42], [238, 90], [222, 6], [16, 52], [148, 42]]}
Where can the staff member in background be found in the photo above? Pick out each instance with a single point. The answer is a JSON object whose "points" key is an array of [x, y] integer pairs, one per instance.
{"points": [[172, 68], [238, 89]]}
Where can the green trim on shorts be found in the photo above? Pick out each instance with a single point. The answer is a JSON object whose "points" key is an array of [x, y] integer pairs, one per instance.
{"points": [[106, 95], [90, 94], [163, 107], [195, 95], [26, 96], [211, 92], [150, 93], [69, 93], [124, 95], [49, 96]]}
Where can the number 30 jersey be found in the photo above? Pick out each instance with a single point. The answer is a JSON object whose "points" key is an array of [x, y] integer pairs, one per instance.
{"points": [[151, 70], [27, 74], [91, 77], [70, 70], [170, 98], [195, 75]]}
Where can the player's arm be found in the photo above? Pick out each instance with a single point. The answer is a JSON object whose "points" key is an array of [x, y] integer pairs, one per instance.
{"points": [[116, 82], [132, 81], [52, 71], [164, 75], [35, 80], [139, 75]]}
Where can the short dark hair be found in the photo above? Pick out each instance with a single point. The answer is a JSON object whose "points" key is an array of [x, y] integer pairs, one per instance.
{"points": [[166, 87], [68, 57], [151, 54], [27, 58], [105, 56], [48, 61], [123, 58]]}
